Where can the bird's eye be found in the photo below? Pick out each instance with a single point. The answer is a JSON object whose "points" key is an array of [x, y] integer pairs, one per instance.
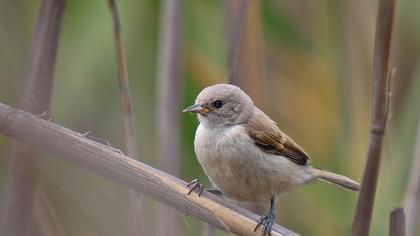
{"points": [[218, 104]]}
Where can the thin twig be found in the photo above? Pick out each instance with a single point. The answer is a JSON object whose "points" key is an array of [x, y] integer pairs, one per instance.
{"points": [[236, 28], [397, 222], [380, 108], [169, 76], [138, 176], [35, 98], [127, 111]]}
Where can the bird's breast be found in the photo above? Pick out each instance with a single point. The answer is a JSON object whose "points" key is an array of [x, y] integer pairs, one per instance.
{"points": [[221, 146], [232, 162]]}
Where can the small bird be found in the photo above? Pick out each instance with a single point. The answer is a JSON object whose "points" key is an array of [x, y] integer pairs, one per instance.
{"points": [[246, 156]]}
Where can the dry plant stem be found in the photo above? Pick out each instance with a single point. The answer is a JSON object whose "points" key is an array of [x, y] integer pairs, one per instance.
{"points": [[35, 95], [169, 77], [126, 107], [380, 107], [412, 196], [397, 223], [236, 26], [113, 165]]}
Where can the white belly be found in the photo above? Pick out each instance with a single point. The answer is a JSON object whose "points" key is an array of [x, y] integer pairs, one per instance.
{"points": [[240, 169]]}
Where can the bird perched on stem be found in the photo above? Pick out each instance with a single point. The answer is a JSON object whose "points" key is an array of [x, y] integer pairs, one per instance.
{"points": [[246, 156]]}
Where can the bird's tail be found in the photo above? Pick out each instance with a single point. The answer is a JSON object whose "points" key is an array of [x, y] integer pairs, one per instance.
{"points": [[337, 179]]}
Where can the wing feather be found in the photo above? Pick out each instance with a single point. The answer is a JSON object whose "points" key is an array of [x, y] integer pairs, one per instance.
{"points": [[269, 138]]}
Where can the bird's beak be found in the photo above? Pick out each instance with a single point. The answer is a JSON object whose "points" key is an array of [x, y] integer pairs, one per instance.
{"points": [[197, 108]]}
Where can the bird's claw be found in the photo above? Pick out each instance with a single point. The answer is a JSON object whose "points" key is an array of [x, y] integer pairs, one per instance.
{"points": [[214, 191], [266, 222], [195, 184]]}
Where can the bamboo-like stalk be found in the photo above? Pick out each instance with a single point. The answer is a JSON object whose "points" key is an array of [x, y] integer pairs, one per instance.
{"points": [[412, 196], [35, 96], [169, 76], [127, 112], [380, 107], [107, 162], [397, 222]]}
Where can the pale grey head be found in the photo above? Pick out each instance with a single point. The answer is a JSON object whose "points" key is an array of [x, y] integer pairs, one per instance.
{"points": [[222, 105]]}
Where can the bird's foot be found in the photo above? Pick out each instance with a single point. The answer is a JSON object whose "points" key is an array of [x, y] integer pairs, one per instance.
{"points": [[214, 191], [195, 184], [266, 222]]}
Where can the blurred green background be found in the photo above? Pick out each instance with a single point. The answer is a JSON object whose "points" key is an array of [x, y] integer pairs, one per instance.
{"points": [[313, 77]]}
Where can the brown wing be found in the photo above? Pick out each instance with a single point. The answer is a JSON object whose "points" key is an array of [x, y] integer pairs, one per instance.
{"points": [[269, 138]]}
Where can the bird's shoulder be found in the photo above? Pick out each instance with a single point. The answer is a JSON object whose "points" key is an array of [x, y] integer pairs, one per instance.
{"points": [[270, 139]]}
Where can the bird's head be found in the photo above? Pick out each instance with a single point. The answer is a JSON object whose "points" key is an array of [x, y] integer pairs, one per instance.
{"points": [[222, 105]]}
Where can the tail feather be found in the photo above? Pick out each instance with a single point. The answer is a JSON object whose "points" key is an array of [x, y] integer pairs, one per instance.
{"points": [[337, 179]]}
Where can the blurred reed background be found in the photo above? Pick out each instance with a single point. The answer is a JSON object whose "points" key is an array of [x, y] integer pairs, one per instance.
{"points": [[307, 64]]}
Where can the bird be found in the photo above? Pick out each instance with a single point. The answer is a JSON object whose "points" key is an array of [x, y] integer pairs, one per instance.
{"points": [[245, 155]]}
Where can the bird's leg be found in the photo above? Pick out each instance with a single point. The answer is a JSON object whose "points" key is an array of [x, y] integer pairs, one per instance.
{"points": [[195, 184], [268, 219]]}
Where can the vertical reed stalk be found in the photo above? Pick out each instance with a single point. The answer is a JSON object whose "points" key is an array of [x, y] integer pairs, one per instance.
{"points": [[35, 98], [127, 112], [380, 108], [169, 74], [397, 222]]}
